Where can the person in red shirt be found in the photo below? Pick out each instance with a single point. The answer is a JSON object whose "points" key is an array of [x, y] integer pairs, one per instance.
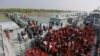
{"points": [[27, 53]]}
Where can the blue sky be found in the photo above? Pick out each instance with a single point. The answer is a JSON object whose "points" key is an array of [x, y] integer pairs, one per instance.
{"points": [[82, 5]]}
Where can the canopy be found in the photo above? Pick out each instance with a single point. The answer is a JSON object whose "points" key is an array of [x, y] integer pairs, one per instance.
{"points": [[9, 25]]}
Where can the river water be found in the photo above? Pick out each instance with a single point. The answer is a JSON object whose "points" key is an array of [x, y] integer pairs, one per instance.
{"points": [[40, 19]]}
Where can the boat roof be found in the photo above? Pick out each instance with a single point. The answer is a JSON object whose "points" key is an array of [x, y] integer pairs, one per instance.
{"points": [[61, 18], [9, 25], [95, 13]]}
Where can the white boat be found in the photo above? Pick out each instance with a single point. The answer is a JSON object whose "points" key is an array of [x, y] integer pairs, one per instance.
{"points": [[93, 18]]}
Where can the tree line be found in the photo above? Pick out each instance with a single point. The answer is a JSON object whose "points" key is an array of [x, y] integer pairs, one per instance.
{"points": [[29, 10]]}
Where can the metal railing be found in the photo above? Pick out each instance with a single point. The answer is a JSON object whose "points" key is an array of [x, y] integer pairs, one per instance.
{"points": [[1, 36]]}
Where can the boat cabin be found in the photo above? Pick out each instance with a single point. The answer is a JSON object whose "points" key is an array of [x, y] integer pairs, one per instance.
{"points": [[58, 21]]}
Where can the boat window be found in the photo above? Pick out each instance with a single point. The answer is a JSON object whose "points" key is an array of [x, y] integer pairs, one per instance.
{"points": [[69, 20], [51, 23], [96, 21], [95, 16], [56, 23]]}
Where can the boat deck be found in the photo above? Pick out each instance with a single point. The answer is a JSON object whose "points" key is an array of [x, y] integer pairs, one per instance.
{"points": [[19, 48]]}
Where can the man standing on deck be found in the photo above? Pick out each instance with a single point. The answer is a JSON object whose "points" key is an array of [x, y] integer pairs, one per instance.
{"points": [[19, 38]]}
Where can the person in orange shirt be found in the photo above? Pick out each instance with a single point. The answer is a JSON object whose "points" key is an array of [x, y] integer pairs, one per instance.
{"points": [[33, 25]]}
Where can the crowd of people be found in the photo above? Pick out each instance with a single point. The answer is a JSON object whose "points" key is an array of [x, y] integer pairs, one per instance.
{"points": [[66, 41]]}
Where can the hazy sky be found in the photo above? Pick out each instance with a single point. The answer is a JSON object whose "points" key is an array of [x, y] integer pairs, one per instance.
{"points": [[82, 5]]}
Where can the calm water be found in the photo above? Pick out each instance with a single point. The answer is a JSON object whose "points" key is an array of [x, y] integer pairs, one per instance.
{"points": [[40, 19], [4, 20]]}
